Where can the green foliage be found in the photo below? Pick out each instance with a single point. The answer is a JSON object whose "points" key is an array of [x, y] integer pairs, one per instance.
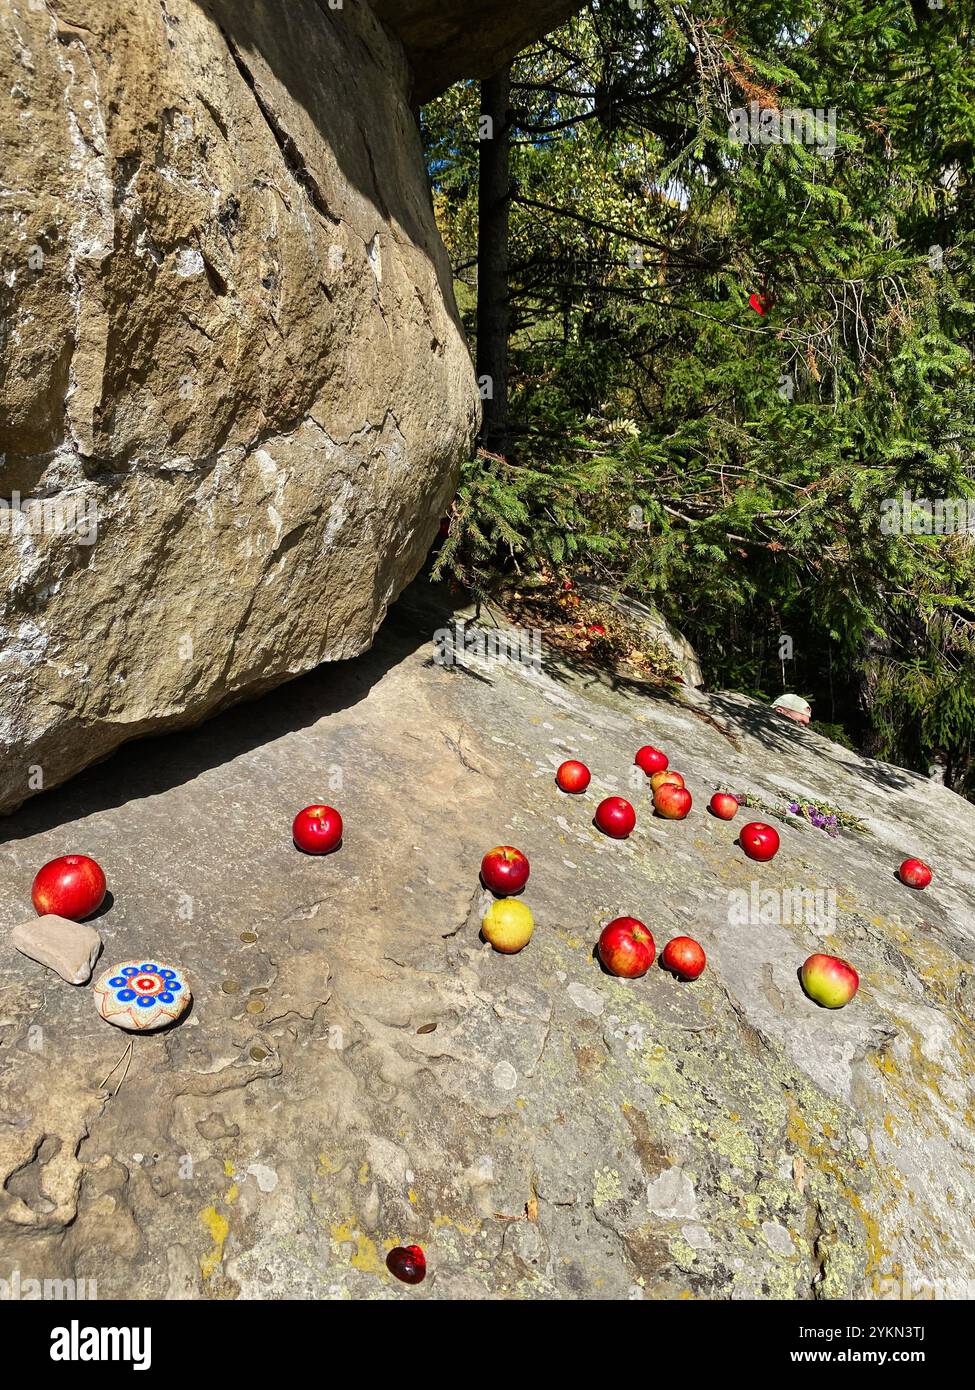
{"points": [[673, 442]]}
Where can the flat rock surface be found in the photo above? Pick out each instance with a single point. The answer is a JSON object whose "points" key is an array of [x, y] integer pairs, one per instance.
{"points": [[360, 1071]]}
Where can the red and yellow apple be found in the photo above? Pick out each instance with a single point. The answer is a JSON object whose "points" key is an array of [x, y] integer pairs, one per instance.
{"points": [[626, 947], [615, 816], [915, 873], [651, 760], [759, 841], [508, 925], [684, 956], [317, 829], [505, 869], [829, 981], [72, 886], [573, 776], [673, 803], [723, 805], [661, 779]]}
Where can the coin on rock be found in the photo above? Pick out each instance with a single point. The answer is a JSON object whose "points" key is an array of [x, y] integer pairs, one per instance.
{"points": [[141, 996]]}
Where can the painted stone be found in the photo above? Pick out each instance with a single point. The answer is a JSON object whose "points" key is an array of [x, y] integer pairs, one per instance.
{"points": [[140, 996]]}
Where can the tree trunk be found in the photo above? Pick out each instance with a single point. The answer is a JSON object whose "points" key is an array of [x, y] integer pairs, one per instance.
{"points": [[493, 203]]}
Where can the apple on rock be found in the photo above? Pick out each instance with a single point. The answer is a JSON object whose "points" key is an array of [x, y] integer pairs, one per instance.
{"points": [[573, 776], [829, 981], [684, 956], [671, 802], [616, 817], [508, 925], [317, 829], [723, 805], [759, 841], [915, 873], [504, 870], [626, 947], [661, 779], [72, 886], [651, 760]]}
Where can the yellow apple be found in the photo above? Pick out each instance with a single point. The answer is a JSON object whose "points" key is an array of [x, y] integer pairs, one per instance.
{"points": [[508, 925]]}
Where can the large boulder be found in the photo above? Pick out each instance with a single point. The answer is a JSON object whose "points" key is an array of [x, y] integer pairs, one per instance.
{"points": [[232, 364], [360, 1069]]}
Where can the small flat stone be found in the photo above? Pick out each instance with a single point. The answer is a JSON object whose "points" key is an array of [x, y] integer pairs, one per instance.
{"points": [[142, 995], [69, 948]]}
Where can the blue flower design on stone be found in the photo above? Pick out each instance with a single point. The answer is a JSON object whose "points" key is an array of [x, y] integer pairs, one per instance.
{"points": [[142, 995]]}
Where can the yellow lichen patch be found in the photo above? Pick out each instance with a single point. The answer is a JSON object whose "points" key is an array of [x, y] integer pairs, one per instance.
{"points": [[568, 939], [439, 1222], [219, 1229], [366, 1256], [606, 1187], [824, 1158]]}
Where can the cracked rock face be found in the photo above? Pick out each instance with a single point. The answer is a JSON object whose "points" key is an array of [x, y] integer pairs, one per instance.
{"points": [[235, 392]]}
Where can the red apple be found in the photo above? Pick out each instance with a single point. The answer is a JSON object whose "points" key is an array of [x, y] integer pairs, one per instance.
{"points": [[660, 779], [573, 776], [651, 760], [723, 805], [615, 816], [759, 841], [626, 947], [829, 981], [673, 803], [915, 873], [684, 956], [317, 829], [72, 886], [504, 870]]}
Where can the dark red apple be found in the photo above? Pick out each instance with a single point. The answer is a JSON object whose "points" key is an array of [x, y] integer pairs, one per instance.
{"points": [[651, 760], [759, 841], [915, 873], [660, 779], [505, 870], [72, 886], [615, 816], [317, 829], [829, 981], [626, 947], [573, 776], [673, 803], [408, 1263], [723, 805], [684, 956]]}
